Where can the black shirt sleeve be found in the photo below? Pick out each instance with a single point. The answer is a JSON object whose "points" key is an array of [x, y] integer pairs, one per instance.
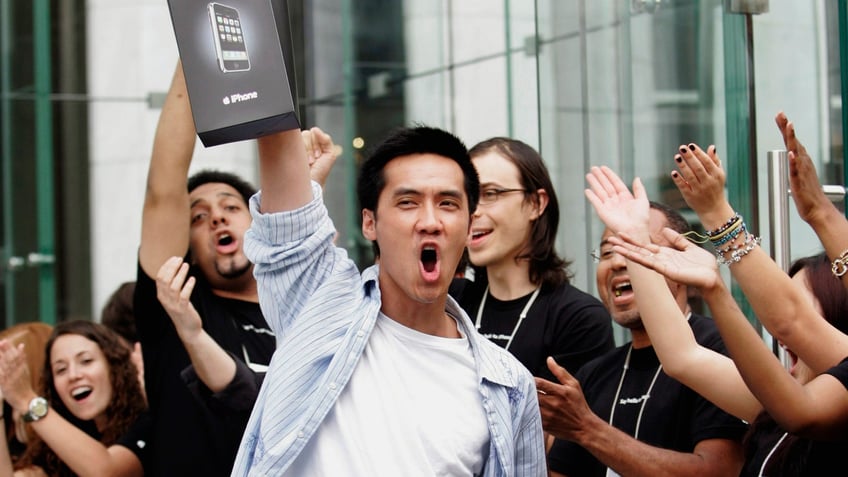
{"points": [[239, 395], [840, 372], [137, 437]]}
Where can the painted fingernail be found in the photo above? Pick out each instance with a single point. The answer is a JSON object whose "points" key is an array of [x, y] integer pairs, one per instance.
{"points": [[678, 158], [683, 150], [674, 174], [691, 147]]}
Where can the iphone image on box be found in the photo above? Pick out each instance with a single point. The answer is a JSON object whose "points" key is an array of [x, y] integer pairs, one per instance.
{"points": [[229, 38]]}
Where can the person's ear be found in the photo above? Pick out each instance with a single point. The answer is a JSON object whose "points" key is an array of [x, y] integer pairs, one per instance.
{"points": [[540, 202], [369, 225]]}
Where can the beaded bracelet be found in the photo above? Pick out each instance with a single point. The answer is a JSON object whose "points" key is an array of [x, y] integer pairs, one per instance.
{"points": [[734, 246], [750, 243], [730, 235], [840, 264], [730, 222]]}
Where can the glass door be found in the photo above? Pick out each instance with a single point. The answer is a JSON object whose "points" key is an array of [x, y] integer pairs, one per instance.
{"points": [[808, 91], [28, 290]]}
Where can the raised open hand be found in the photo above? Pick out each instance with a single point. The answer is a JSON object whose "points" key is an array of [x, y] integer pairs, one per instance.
{"points": [[701, 179], [173, 290], [617, 207], [683, 262], [806, 188]]}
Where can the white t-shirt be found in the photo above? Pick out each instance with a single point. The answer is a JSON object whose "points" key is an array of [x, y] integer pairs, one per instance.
{"points": [[412, 407]]}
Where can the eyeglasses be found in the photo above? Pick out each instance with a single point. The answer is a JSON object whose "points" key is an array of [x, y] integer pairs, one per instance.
{"points": [[487, 196], [602, 254]]}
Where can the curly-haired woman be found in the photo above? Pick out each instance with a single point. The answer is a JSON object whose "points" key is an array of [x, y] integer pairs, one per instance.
{"points": [[91, 416]]}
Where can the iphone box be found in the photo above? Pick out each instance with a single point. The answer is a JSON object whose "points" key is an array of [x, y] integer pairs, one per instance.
{"points": [[237, 60]]}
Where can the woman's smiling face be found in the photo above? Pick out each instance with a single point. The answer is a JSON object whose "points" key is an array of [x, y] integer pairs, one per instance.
{"points": [[81, 376]]}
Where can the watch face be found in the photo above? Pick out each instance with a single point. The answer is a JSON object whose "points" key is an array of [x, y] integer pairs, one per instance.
{"points": [[39, 407]]}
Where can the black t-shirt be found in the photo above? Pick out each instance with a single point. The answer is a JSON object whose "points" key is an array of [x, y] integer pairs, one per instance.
{"points": [[840, 372], [788, 455], [137, 437], [792, 456], [563, 322], [673, 416], [192, 436]]}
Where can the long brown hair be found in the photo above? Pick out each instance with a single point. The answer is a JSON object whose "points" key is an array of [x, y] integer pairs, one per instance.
{"points": [[546, 266], [127, 397]]}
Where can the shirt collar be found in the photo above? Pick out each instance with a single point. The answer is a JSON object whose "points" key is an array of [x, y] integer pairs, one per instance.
{"points": [[492, 362]]}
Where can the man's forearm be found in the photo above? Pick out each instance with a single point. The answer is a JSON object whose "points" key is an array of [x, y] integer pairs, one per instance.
{"points": [[214, 366], [628, 456]]}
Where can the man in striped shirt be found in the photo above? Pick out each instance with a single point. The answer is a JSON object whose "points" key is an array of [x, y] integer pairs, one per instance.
{"points": [[379, 372]]}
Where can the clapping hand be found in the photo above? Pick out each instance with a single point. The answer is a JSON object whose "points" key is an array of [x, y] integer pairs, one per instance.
{"points": [[15, 383], [562, 405]]}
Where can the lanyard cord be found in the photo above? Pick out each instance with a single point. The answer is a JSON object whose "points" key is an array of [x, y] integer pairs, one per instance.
{"points": [[647, 395], [765, 461], [520, 317]]}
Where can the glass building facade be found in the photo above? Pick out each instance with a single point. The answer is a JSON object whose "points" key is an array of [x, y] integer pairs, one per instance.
{"points": [[587, 82]]}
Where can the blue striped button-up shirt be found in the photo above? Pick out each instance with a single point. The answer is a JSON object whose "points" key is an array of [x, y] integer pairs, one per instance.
{"points": [[322, 311]]}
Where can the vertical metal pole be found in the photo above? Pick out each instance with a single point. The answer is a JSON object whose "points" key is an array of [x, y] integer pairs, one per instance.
{"points": [[538, 49], [44, 159], [779, 207], [843, 69], [754, 218], [778, 190], [6, 31], [349, 104], [742, 177], [450, 53], [508, 41]]}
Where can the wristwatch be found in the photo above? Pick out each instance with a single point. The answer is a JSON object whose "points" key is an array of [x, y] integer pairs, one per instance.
{"points": [[37, 409]]}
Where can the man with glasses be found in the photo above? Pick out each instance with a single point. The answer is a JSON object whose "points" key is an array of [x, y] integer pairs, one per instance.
{"points": [[621, 414], [521, 296]]}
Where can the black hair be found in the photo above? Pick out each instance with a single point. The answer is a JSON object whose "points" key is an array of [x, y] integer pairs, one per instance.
{"points": [[674, 220], [244, 188], [828, 290], [546, 267], [117, 313], [408, 141]]}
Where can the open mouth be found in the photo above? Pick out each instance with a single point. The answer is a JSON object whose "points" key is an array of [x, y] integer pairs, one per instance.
{"points": [[429, 259], [81, 392], [225, 239], [225, 243], [793, 358], [622, 288], [479, 234]]}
